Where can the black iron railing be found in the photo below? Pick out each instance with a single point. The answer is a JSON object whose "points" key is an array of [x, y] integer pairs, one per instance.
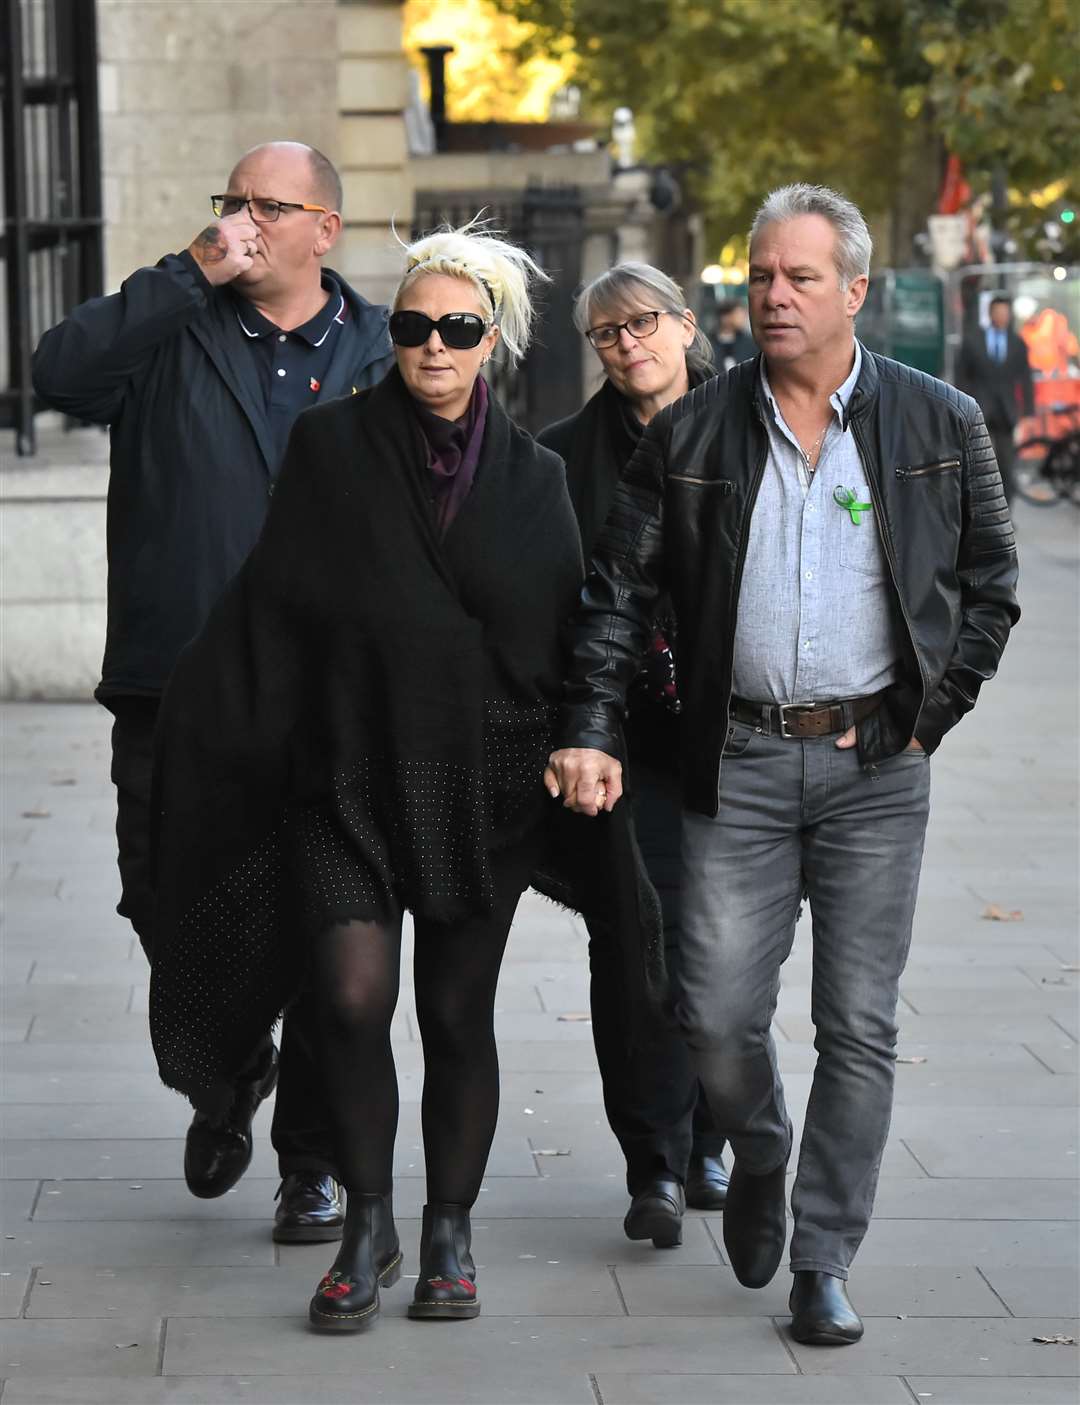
{"points": [[51, 230], [548, 221]]}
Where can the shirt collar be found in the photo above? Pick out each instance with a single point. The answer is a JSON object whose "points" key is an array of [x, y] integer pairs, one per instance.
{"points": [[314, 331], [840, 397]]}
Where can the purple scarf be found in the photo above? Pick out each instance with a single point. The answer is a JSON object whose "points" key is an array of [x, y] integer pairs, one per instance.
{"points": [[454, 449]]}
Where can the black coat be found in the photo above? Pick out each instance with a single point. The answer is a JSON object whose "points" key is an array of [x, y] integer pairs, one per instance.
{"points": [[364, 719], [680, 522], [164, 363], [595, 443], [1003, 389]]}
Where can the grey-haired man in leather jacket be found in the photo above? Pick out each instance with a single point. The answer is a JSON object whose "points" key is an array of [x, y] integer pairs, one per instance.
{"points": [[831, 528]]}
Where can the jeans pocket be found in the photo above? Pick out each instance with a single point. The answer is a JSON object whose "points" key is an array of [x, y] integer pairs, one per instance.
{"points": [[739, 737], [912, 757]]}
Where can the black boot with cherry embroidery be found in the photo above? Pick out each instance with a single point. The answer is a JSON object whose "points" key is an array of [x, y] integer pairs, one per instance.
{"points": [[347, 1299], [446, 1287]]}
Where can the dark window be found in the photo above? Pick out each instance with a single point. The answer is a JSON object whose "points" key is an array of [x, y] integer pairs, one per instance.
{"points": [[51, 234]]}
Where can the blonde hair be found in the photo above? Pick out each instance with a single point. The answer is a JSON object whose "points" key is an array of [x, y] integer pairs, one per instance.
{"points": [[501, 273]]}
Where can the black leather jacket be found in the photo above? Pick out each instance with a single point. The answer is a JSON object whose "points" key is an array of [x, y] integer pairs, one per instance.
{"points": [[680, 523]]}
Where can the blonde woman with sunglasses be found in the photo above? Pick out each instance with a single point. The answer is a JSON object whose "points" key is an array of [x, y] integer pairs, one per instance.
{"points": [[361, 732]]}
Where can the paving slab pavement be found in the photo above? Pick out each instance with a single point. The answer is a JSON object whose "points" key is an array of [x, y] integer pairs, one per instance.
{"points": [[118, 1288]]}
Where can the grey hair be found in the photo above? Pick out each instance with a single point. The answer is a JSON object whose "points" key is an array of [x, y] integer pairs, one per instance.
{"points": [[501, 273], [630, 283], [853, 243]]}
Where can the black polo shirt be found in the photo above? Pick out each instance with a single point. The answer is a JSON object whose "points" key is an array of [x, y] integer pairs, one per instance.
{"points": [[292, 365]]}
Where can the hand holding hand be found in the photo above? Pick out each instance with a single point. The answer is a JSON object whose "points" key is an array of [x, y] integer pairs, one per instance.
{"points": [[589, 781], [226, 248]]}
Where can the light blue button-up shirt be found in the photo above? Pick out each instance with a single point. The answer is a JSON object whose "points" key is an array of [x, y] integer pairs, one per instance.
{"points": [[996, 343], [818, 618]]}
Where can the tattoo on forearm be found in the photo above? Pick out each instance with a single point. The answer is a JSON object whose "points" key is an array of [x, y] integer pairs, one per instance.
{"points": [[210, 245]]}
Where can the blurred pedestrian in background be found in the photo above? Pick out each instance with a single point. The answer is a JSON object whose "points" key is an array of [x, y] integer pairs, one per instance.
{"points": [[993, 368], [732, 341]]}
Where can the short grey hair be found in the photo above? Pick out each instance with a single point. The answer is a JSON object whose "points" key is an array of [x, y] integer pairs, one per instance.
{"points": [[633, 283], [853, 243]]}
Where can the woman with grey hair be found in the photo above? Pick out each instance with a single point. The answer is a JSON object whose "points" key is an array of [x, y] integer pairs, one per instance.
{"points": [[361, 730], [652, 351]]}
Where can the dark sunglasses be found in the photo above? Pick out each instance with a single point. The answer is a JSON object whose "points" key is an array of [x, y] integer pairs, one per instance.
{"points": [[460, 330]]}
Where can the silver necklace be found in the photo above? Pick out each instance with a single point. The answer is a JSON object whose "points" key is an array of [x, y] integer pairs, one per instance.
{"points": [[814, 451]]}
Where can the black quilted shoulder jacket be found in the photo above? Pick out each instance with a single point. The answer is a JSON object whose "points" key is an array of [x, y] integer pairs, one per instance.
{"points": [[680, 523]]}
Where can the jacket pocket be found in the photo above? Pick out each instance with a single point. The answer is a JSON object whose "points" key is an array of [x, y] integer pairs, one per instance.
{"points": [[725, 485], [925, 470]]}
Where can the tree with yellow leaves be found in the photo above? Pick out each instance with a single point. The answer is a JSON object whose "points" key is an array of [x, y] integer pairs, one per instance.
{"points": [[486, 79]]}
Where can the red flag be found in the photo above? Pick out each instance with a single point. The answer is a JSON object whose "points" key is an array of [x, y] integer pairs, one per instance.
{"points": [[955, 192]]}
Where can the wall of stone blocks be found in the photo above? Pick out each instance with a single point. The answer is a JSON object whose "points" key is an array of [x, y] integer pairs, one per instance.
{"points": [[185, 88], [52, 542], [373, 87]]}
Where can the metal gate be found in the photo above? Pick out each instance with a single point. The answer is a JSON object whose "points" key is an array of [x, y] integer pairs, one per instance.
{"points": [[51, 232], [548, 221]]}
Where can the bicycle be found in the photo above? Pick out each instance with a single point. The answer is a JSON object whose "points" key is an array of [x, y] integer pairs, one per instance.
{"points": [[1047, 466]]}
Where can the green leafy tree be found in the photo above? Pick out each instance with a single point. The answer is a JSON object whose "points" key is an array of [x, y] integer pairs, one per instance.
{"points": [[997, 82], [865, 95]]}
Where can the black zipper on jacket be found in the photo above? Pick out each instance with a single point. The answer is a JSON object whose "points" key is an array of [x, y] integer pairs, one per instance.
{"points": [[922, 470], [724, 484], [890, 558]]}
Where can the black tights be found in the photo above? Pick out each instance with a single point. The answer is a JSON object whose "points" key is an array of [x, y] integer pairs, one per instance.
{"points": [[456, 970]]}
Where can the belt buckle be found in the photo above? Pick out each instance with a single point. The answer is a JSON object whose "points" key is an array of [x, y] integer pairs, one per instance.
{"points": [[785, 708]]}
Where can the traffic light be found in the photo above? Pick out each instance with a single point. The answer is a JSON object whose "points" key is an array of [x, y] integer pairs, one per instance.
{"points": [[1067, 216]]}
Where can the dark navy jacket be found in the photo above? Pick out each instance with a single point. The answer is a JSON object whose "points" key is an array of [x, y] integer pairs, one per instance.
{"points": [[164, 363]]}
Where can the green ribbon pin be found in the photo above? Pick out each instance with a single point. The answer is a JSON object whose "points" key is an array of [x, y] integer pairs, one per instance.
{"points": [[846, 499]]}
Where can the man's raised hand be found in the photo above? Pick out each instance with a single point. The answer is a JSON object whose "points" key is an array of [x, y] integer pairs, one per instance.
{"points": [[226, 248]]}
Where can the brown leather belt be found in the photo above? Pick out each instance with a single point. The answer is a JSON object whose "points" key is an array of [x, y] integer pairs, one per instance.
{"points": [[804, 719]]}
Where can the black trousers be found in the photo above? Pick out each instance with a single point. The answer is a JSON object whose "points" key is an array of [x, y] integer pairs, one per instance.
{"points": [[654, 1102], [301, 1127]]}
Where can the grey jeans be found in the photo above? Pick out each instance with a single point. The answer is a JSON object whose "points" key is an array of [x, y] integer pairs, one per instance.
{"points": [[803, 819]]}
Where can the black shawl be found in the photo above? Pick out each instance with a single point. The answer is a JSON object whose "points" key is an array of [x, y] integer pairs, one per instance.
{"points": [[364, 718], [596, 444]]}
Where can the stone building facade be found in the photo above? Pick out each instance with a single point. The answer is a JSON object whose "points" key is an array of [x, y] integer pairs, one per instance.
{"points": [[184, 89]]}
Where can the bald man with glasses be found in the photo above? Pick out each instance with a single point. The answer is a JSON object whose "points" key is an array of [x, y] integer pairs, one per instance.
{"points": [[200, 365]]}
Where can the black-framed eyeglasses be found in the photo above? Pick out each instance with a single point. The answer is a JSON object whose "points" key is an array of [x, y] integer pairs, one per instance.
{"points": [[262, 211], [459, 330], [640, 326]]}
